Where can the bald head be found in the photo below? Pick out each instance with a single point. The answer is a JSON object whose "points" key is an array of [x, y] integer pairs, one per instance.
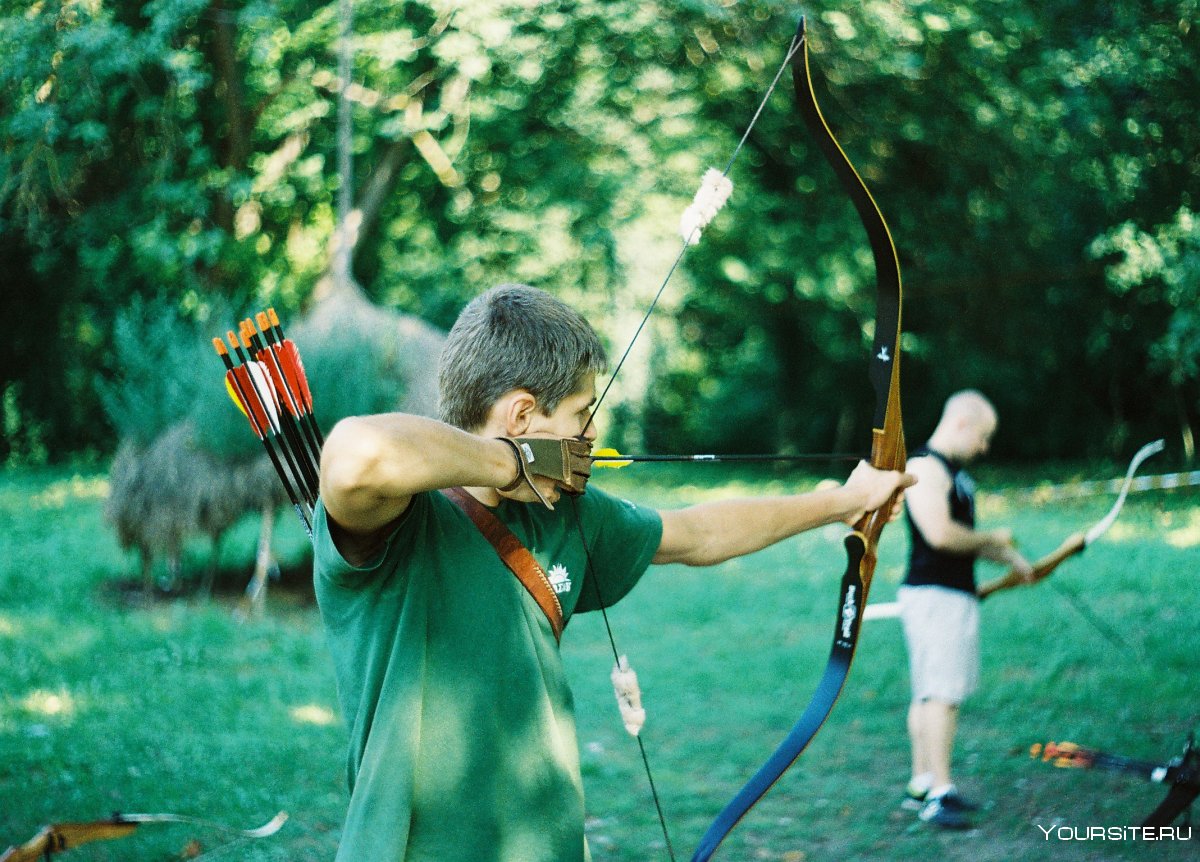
{"points": [[965, 430]]}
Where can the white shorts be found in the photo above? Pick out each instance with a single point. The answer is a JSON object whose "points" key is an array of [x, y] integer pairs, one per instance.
{"points": [[941, 631]]}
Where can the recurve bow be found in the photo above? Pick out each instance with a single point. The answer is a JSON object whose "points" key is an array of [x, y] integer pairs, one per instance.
{"points": [[1076, 542], [59, 837], [887, 453]]}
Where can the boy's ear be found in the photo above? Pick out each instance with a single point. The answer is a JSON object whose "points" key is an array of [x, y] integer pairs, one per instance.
{"points": [[517, 409]]}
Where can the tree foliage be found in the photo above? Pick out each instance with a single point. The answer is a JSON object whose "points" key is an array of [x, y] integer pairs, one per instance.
{"points": [[1037, 162]]}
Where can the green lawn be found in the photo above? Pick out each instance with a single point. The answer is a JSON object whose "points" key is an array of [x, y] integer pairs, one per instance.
{"points": [[111, 705]]}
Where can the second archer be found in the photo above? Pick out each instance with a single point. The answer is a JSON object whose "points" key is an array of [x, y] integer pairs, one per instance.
{"points": [[938, 605]]}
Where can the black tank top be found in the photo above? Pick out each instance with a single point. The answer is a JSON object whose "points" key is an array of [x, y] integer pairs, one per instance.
{"points": [[927, 565]]}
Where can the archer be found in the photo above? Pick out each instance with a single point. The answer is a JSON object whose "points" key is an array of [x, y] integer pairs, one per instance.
{"points": [[432, 543], [938, 602]]}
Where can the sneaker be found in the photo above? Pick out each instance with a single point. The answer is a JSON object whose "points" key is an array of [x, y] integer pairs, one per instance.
{"points": [[953, 800], [941, 811]]}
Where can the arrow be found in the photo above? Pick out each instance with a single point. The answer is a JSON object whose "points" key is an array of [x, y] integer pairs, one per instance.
{"points": [[265, 379], [612, 459]]}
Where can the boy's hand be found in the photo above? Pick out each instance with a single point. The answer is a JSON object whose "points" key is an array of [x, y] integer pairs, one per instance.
{"points": [[565, 461], [875, 487]]}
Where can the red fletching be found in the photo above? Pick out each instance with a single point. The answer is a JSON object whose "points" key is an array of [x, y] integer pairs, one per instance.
{"points": [[288, 357], [235, 395], [1068, 754]]}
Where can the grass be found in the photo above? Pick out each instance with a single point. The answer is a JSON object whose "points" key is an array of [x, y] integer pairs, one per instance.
{"points": [[113, 705]]}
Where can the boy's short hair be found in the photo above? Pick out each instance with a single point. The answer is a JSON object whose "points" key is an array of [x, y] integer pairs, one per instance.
{"points": [[514, 337]]}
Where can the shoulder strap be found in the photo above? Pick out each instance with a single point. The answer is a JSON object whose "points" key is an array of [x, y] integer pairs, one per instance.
{"points": [[514, 555]]}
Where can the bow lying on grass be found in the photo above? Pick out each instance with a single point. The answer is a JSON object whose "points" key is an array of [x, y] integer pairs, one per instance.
{"points": [[1181, 773], [58, 837]]}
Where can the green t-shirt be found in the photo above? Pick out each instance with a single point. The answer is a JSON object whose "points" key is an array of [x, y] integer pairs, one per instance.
{"points": [[462, 729]]}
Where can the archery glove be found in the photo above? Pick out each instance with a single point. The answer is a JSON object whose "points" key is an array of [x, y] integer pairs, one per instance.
{"points": [[565, 460]]}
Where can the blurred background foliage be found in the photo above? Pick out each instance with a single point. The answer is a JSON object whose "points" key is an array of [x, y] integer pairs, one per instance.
{"points": [[1038, 163]]}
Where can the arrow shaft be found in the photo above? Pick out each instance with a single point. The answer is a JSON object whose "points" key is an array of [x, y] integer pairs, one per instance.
{"points": [[734, 458]]}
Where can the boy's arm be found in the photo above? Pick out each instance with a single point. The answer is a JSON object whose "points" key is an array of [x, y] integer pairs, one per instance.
{"points": [[711, 533], [371, 466]]}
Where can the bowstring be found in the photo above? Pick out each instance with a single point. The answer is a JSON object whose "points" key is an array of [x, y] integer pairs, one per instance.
{"points": [[612, 642], [796, 43]]}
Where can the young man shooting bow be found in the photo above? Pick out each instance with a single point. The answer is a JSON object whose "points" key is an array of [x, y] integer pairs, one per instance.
{"points": [[463, 740]]}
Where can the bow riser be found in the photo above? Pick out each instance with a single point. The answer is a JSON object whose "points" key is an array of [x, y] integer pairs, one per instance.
{"points": [[888, 452]]}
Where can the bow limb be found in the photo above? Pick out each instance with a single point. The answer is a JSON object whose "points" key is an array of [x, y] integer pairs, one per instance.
{"points": [[1077, 542], [887, 453]]}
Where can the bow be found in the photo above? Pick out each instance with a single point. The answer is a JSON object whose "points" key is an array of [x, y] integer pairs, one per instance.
{"points": [[887, 453], [58, 837], [1076, 542], [714, 191], [1181, 773]]}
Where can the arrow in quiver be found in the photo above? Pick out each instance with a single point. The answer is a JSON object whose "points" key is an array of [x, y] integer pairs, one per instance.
{"points": [[265, 379]]}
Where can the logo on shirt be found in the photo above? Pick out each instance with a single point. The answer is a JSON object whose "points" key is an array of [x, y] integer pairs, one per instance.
{"points": [[560, 578]]}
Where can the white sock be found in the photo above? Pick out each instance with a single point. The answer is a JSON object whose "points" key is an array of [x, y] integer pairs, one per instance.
{"points": [[921, 783]]}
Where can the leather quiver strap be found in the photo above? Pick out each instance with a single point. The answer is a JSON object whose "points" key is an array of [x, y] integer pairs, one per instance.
{"points": [[515, 556]]}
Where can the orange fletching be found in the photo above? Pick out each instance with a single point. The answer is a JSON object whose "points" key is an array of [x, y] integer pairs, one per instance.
{"points": [[293, 369]]}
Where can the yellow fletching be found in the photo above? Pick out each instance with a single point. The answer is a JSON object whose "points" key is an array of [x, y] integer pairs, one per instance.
{"points": [[612, 454], [233, 396]]}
